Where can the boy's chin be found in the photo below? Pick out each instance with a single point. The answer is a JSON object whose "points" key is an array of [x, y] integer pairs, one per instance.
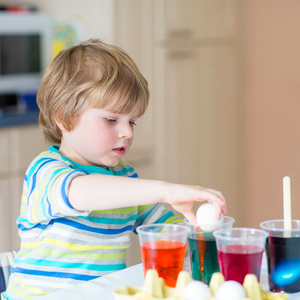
{"points": [[114, 163], [109, 164]]}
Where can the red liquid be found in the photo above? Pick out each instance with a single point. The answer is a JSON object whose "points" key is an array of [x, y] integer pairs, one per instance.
{"points": [[236, 261], [164, 256]]}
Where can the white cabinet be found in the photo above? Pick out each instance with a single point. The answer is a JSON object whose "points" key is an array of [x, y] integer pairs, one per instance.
{"points": [[195, 19], [4, 153], [197, 88], [26, 143], [16, 186], [5, 188], [19, 146], [196, 79], [5, 225]]}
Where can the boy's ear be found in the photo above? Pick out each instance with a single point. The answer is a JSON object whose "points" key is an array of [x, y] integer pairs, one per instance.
{"points": [[59, 123]]}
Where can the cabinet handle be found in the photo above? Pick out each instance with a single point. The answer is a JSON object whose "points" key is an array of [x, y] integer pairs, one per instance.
{"points": [[180, 33], [181, 54]]}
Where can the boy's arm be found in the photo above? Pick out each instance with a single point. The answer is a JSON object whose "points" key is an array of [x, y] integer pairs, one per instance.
{"points": [[99, 192]]}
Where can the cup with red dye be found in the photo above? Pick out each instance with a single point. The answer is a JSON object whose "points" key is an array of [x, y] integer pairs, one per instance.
{"points": [[240, 252], [163, 249]]}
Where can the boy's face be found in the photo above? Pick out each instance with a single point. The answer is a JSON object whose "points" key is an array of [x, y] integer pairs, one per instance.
{"points": [[100, 138]]}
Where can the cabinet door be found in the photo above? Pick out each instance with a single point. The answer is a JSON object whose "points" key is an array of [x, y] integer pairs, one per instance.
{"points": [[16, 183], [195, 19], [4, 153], [197, 92], [5, 240], [26, 143]]}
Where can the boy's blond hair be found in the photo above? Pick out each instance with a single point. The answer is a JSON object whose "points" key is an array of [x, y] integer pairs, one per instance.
{"points": [[90, 74]]}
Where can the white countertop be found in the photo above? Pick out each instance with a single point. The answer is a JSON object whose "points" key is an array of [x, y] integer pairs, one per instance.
{"points": [[103, 287]]}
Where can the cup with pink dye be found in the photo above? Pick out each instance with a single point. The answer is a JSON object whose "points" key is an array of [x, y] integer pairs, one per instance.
{"points": [[240, 252]]}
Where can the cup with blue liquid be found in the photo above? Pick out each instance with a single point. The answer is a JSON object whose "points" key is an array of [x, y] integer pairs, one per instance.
{"points": [[283, 255]]}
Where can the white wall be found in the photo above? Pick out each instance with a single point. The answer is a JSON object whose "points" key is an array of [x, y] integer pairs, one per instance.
{"points": [[271, 108]]}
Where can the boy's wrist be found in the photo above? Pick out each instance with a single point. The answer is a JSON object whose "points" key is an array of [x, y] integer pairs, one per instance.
{"points": [[168, 192]]}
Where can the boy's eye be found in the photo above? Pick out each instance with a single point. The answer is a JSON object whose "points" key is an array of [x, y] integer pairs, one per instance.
{"points": [[110, 120], [132, 123]]}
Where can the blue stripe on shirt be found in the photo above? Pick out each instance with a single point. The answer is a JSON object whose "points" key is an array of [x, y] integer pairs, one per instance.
{"points": [[53, 274], [35, 174], [134, 176], [94, 229], [63, 189], [165, 217], [69, 265], [117, 221], [23, 227]]}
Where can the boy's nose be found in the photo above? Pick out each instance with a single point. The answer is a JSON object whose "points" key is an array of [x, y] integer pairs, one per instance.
{"points": [[126, 131]]}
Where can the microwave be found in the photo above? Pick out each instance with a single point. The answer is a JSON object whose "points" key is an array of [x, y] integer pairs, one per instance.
{"points": [[25, 52]]}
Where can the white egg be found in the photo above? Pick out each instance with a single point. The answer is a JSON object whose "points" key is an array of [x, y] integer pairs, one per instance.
{"points": [[230, 290], [206, 218], [196, 290]]}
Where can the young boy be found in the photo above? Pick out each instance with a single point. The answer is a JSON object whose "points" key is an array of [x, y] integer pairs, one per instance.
{"points": [[80, 201]]}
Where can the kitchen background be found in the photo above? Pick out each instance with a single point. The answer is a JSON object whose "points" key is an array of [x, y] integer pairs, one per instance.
{"points": [[224, 79]]}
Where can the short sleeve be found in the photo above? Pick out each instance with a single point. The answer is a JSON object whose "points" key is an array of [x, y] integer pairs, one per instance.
{"points": [[45, 191]]}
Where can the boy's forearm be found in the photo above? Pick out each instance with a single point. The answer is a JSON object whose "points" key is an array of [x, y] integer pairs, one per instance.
{"points": [[97, 192]]}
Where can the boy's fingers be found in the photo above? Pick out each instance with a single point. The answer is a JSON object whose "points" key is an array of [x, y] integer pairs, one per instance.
{"points": [[212, 198], [191, 217], [218, 211], [219, 204], [218, 194]]}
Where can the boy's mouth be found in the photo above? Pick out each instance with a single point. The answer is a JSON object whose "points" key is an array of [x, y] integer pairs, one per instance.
{"points": [[119, 150]]}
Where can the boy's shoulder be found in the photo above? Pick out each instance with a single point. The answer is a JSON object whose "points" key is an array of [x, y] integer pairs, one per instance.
{"points": [[50, 156]]}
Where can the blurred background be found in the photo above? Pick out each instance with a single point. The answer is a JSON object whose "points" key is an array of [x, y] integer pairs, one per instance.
{"points": [[224, 80]]}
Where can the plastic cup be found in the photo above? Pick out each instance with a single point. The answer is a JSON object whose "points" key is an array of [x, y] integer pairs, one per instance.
{"points": [[283, 255], [163, 249], [240, 252], [203, 250]]}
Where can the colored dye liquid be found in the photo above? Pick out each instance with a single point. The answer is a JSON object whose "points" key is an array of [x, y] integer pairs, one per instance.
{"points": [[280, 250], [236, 261], [164, 256], [204, 257]]}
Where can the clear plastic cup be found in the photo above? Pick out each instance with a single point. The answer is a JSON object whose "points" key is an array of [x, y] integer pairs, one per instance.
{"points": [[240, 252], [203, 250], [163, 249], [283, 255]]}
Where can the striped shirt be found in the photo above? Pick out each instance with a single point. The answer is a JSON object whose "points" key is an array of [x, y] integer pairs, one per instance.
{"points": [[61, 246]]}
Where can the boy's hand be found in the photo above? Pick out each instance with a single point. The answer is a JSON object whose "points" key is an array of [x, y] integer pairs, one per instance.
{"points": [[183, 197]]}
